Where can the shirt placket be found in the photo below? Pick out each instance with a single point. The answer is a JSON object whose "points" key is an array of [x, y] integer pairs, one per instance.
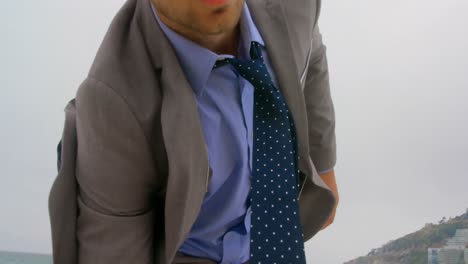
{"points": [[247, 107]]}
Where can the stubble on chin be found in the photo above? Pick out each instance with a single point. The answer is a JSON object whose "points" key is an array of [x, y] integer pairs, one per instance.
{"points": [[215, 23]]}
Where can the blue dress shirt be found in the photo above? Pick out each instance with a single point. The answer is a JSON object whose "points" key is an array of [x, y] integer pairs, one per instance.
{"points": [[225, 105]]}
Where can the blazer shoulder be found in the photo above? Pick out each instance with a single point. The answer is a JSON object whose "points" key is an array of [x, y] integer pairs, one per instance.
{"points": [[304, 11], [124, 61], [114, 53]]}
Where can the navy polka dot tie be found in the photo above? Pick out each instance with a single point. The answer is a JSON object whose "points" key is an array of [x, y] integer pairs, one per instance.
{"points": [[276, 231]]}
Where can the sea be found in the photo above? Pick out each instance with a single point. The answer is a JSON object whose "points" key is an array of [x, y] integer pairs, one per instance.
{"points": [[24, 258]]}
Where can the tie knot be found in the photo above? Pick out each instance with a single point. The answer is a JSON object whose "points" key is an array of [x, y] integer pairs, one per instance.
{"points": [[255, 55], [253, 70]]}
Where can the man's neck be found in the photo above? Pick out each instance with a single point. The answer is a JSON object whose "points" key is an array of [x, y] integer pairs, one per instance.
{"points": [[223, 43]]}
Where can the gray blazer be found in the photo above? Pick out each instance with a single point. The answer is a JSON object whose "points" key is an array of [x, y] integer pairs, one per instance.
{"points": [[133, 164]]}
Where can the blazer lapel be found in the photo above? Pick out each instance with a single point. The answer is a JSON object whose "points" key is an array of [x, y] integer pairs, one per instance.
{"points": [[187, 154], [275, 33], [316, 202]]}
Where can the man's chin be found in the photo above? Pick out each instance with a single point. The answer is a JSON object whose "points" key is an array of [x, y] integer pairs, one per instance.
{"points": [[214, 32], [213, 29]]}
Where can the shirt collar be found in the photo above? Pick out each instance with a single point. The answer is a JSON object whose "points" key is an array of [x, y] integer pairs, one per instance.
{"points": [[197, 62]]}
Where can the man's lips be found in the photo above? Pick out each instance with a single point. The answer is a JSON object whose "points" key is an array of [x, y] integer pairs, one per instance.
{"points": [[215, 2]]}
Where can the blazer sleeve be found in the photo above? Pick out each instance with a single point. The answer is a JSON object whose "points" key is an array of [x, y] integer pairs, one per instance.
{"points": [[62, 196], [115, 176], [319, 105]]}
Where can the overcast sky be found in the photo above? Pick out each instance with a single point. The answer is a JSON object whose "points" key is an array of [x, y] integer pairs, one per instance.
{"points": [[399, 77]]}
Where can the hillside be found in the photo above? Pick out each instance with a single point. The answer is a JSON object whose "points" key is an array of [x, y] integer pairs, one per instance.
{"points": [[412, 248]]}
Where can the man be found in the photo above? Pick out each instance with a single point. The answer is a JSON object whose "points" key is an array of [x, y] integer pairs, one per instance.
{"points": [[164, 138]]}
